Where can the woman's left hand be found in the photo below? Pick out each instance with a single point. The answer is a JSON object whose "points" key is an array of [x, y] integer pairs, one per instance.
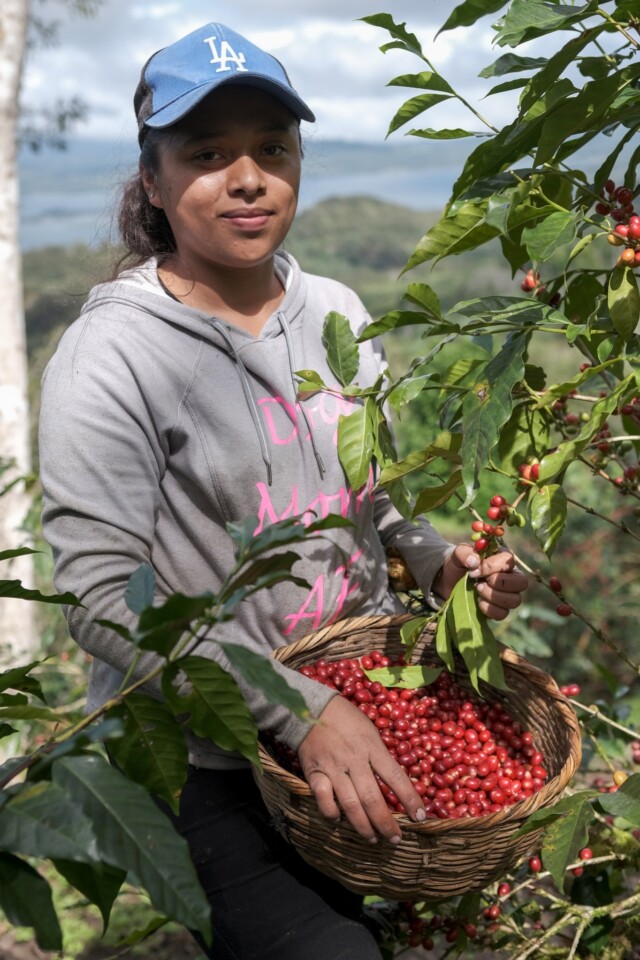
{"points": [[499, 584]]}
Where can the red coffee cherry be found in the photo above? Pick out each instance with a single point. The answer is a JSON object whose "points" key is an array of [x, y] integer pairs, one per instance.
{"points": [[564, 610], [504, 889], [586, 853], [535, 864], [555, 584]]}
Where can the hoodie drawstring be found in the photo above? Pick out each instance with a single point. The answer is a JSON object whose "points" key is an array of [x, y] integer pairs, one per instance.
{"points": [[250, 398], [292, 367]]}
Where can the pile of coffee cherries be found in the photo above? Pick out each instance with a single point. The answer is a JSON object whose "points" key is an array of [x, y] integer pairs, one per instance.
{"points": [[466, 757]]}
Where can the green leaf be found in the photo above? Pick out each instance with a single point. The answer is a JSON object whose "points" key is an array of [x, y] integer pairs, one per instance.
{"points": [[407, 678], [623, 300], [469, 12], [18, 552], [25, 900], [563, 839], [427, 80], [161, 627], [512, 63], [548, 511], [411, 632], [40, 820], [394, 320], [446, 446], [474, 638], [134, 835], [525, 434], [546, 815], [487, 407], [356, 442], [140, 589], [259, 671], [430, 498], [18, 679], [14, 588], [465, 229], [407, 390], [444, 638], [339, 341], [98, 882], [424, 296], [214, 705], [544, 238], [249, 545], [264, 572], [107, 730], [527, 19], [414, 107], [625, 802], [30, 713], [406, 41], [516, 84], [152, 751]]}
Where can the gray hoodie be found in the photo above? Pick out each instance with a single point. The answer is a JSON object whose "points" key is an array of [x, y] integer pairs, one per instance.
{"points": [[160, 424]]}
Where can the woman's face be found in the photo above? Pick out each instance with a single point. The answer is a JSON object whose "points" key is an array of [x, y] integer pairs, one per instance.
{"points": [[228, 180]]}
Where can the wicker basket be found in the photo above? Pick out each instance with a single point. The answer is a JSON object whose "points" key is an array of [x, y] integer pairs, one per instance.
{"points": [[436, 859]]}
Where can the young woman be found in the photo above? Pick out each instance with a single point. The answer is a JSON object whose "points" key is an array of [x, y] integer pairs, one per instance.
{"points": [[170, 409]]}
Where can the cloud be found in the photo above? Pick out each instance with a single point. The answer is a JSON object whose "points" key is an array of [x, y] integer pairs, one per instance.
{"points": [[331, 55]]}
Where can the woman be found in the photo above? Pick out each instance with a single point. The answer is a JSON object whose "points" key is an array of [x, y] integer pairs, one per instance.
{"points": [[170, 409]]}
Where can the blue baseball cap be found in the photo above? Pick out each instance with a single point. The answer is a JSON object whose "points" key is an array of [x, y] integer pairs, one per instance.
{"points": [[175, 79]]}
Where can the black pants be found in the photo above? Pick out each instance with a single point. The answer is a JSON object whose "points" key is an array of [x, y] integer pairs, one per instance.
{"points": [[267, 903]]}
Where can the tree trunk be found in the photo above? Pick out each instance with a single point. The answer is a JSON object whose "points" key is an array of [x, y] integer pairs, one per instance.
{"points": [[17, 635]]}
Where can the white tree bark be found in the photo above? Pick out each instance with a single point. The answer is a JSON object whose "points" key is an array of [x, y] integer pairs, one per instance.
{"points": [[17, 634]]}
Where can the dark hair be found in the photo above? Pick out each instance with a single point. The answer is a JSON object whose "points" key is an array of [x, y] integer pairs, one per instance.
{"points": [[144, 229]]}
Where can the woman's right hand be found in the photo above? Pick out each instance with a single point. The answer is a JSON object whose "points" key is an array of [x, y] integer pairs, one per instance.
{"points": [[339, 757]]}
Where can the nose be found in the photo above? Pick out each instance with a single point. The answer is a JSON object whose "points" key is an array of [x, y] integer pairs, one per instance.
{"points": [[245, 176]]}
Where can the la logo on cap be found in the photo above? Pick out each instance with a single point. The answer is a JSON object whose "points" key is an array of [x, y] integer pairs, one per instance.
{"points": [[225, 56]]}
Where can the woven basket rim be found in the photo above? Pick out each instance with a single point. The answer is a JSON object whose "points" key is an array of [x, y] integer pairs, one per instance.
{"points": [[512, 661]]}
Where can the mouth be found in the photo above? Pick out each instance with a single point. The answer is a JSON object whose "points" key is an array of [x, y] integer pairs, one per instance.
{"points": [[248, 218]]}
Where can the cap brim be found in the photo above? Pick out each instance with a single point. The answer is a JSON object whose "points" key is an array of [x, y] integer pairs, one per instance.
{"points": [[183, 105]]}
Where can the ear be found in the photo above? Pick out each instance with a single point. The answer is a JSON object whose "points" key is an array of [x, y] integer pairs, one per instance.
{"points": [[150, 186]]}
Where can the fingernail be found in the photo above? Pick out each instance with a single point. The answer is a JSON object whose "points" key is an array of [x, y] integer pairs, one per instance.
{"points": [[373, 840], [395, 839], [421, 814], [472, 561]]}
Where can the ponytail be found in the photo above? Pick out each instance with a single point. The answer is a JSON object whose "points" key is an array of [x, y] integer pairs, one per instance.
{"points": [[144, 229]]}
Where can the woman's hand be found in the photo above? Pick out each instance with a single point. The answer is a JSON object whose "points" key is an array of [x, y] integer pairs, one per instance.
{"points": [[499, 584], [339, 757]]}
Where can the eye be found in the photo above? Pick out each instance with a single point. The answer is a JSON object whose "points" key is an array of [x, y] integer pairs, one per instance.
{"points": [[274, 149], [208, 156]]}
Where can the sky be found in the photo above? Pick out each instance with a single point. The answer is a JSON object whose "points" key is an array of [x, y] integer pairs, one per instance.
{"points": [[333, 58]]}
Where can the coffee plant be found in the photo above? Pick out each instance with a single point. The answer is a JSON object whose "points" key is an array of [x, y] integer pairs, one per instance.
{"points": [[516, 450], [528, 458], [78, 794]]}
